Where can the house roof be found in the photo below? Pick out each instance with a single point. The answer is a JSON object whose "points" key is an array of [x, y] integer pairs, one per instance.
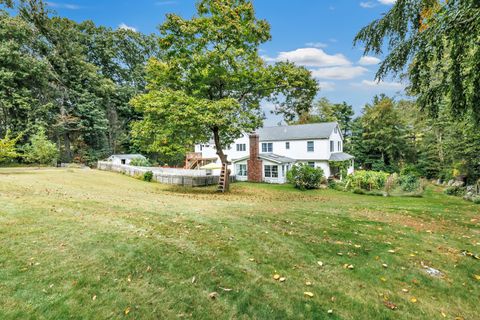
{"points": [[340, 156], [297, 132], [127, 156], [270, 157]]}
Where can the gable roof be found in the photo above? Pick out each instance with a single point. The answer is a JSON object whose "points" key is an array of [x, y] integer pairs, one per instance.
{"points": [[297, 132], [340, 156], [270, 157]]}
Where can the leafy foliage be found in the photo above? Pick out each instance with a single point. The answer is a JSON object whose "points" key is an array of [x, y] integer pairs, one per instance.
{"points": [[140, 162], [366, 180], [304, 177], [409, 182], [8, 150], [455, 191], [210, 80], [148, 176], [438, 42], [41, 150]]}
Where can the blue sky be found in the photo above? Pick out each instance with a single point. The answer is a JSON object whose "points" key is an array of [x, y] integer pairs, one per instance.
{"points": [[315, 33]]}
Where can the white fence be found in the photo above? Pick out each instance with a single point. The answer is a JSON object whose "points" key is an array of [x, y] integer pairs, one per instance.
{"points": [[183, 177]]}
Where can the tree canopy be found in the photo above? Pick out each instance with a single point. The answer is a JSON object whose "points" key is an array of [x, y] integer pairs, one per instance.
{"points": [[210, 80], [436, 43]]}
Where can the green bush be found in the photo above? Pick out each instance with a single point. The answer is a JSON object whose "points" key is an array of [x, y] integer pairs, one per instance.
{"points": [[148, 176], [455, 191], [41, 150], [304, 177], [140, 162], [476, 200], [366, 180], [409, 182]]}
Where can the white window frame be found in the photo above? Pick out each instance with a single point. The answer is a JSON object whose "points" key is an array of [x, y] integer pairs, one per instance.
{"points": [[269, 172], [267, 147], [312, 145], [242, 170], [241, 147]]}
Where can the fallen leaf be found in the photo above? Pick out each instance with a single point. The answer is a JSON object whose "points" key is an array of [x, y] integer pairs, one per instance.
{"points": [[127, 310], [340, 254], [149, 269], [390, 305], [276, 276], [251, 259], [194, 279], [476, 276], [213, 295], [391, 251], [320, 263], [330, 311], [308, 294], [282, 279], [413, 300], [385, 265], [383, 279], [308, 283], [405, 290], [94, 297]]}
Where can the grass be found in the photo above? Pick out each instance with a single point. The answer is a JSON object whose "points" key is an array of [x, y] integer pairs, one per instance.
{"points": [[85, 244]]}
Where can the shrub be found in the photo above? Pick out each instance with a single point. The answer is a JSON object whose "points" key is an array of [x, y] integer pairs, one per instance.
{"points": [[41, 150], [476, 200], [455, 191], [148, 176], [304, 177], [366, 180], [140, 162], [409, 182]]}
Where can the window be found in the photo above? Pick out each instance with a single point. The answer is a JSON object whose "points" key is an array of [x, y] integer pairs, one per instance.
{"points": [[201, 147], [241, 147], [287, 145], [270, 171], [242, 170], [311, 164], [339, 146], [335, 130], [267, 147], [332, 146], [310, 147]]}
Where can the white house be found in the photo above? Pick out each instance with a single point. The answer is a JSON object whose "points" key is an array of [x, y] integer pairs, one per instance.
{"points": [[270, 152], [124, 158]]}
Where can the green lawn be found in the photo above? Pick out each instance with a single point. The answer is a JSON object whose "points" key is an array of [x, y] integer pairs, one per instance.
{"points": [[84, 244]]}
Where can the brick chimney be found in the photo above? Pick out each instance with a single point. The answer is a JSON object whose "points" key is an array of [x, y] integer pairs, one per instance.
{"points": [[254, 164]]}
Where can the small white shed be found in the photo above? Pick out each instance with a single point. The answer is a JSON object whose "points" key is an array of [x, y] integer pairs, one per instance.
{"points": [[124, 158]]}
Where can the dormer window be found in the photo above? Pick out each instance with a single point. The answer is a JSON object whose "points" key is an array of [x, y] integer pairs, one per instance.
{"points": [[332, 146], [335, 130]]}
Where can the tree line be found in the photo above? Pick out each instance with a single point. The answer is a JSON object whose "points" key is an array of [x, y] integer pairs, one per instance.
{"points": [[91, 91]]}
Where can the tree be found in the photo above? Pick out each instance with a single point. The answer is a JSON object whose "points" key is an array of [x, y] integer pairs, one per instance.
{"points": [[437, 42], [380, 140], [210, 81], [41, 150], [8, 148], [339, 112]]}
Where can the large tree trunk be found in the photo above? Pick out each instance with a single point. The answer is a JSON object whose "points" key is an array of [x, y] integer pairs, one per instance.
{"points": [[221, 155]]}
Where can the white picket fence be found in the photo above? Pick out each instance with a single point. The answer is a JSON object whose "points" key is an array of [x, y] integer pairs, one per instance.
{"points": [[176, 176]]}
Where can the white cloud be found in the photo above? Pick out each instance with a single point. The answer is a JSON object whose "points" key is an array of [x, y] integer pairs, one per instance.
{"points": [[126, 27], [339, 72], [326, 86], [368, 60], [59, 5], [385, 85], [367, 4], [313, 57], [387, 2], [316, 44]]}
